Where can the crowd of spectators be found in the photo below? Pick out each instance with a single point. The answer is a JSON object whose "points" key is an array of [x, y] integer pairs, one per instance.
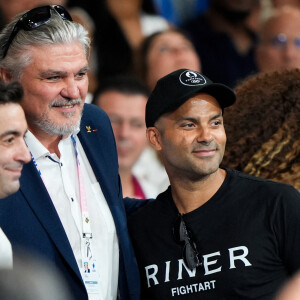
{"points": [[252, 46]]}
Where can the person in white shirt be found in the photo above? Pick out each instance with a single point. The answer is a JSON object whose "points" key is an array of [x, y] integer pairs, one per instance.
{"points": [[124, 99], [13, 152], [70, 209]]}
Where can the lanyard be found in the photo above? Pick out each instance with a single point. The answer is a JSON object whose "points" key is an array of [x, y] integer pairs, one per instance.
{"points": [[86, 227]]}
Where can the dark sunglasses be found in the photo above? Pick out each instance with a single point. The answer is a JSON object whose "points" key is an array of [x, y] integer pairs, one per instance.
{"points": [[183, 236], [35, 18]]}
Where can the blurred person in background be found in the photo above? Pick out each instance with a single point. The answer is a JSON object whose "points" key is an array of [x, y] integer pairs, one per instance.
{"points": [[124, 99], [120, 27], [178, 11], [8, 9], [225, 38], [279, 42], [278, 3], [164, 52]]}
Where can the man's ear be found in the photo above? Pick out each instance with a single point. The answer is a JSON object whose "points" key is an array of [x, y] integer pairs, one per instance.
{"points": [[153, 136], [5, 75]]}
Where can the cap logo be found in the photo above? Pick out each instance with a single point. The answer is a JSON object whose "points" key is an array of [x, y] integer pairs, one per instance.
{"points": [[191, 78]]}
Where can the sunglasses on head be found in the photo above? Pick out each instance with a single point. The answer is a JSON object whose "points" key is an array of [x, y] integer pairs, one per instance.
{"points": [[183, 236], [35, 18]]}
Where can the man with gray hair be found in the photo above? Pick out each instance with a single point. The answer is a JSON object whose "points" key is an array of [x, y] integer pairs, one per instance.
{"points": [[69, 209]]}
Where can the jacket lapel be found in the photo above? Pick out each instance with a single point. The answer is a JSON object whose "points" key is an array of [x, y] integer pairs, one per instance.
{"points": [[95, 146], [40, 202]]}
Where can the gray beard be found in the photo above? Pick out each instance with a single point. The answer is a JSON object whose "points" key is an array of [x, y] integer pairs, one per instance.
{"points": [[56, 130]]}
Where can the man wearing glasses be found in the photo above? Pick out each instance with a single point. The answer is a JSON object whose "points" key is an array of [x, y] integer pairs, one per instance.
{"points": [[279, 44], [69, 209], [214, 233]]}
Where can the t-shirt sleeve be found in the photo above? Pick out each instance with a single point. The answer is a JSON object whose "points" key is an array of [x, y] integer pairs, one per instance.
{"points": [[287, 228]]}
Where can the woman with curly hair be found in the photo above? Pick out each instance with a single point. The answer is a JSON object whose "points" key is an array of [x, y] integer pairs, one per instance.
{"points": [[263, 127]]}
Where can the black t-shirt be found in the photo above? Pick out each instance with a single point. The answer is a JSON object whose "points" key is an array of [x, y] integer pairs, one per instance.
{"points": [[248, 236]]}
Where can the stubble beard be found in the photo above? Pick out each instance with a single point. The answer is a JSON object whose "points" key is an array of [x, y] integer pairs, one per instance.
{"points": [[53, 129]]}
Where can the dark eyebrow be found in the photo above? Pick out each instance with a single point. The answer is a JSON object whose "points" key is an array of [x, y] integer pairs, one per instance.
{"points": [[10, 132], [196, 120], [217, 116], [50, 72], [84, 69]]}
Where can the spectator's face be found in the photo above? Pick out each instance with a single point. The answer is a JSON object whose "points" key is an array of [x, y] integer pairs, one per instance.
{"points": [[170, 51], [55, 86], [127, 116], [280, 46], [191, 140], [13, 150]]}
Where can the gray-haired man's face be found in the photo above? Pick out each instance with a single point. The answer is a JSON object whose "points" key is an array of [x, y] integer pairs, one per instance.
{"points": [[55, 86]]}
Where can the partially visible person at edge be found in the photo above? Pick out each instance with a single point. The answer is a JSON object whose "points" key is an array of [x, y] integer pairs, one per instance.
{"points": [[124, 99], [279, 40], [262, 146], [13, 153], [215, 233], [69, 209]]}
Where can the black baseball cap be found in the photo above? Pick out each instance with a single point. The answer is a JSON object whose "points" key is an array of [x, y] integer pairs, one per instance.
{"points": [[172, 90]]}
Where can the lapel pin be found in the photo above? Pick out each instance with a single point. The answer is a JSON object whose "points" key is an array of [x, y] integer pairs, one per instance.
{"points": [[89, 129]]}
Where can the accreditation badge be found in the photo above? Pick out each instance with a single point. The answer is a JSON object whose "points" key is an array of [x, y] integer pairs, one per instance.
{"points": [[90, 276]]}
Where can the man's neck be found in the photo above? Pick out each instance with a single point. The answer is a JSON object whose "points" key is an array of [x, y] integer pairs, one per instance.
{"points": [[189, 195], [127, 182], [50, 142]]}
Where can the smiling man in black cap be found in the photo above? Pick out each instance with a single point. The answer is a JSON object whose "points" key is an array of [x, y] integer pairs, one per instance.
{"points": [[214, 233]]}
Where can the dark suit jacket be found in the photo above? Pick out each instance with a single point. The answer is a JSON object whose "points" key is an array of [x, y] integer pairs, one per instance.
{"points": [[31, 222]]}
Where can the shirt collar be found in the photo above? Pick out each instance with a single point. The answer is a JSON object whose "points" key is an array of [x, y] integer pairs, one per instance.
{"points": [[36, 148]]}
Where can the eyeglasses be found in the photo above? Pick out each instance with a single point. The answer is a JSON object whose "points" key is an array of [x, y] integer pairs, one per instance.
{"points": [[280, 41], [183, 236], [35, 18]]}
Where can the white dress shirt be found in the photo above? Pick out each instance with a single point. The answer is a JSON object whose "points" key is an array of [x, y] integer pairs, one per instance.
{"points": [[61, 180], [6, 257]]}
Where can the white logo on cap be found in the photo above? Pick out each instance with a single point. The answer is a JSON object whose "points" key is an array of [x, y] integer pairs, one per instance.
{"points": [[191, 78]]}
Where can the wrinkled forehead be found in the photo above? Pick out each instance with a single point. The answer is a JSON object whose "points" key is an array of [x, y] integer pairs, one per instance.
{"points": [[283, 22]]}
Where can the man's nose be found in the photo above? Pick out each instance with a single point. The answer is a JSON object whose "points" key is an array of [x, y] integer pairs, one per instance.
{"points": [[70, 89], [23, 154]]}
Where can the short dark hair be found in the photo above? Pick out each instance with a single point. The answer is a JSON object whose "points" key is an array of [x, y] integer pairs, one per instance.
{"points": [[124, 84], [11, 92]]}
